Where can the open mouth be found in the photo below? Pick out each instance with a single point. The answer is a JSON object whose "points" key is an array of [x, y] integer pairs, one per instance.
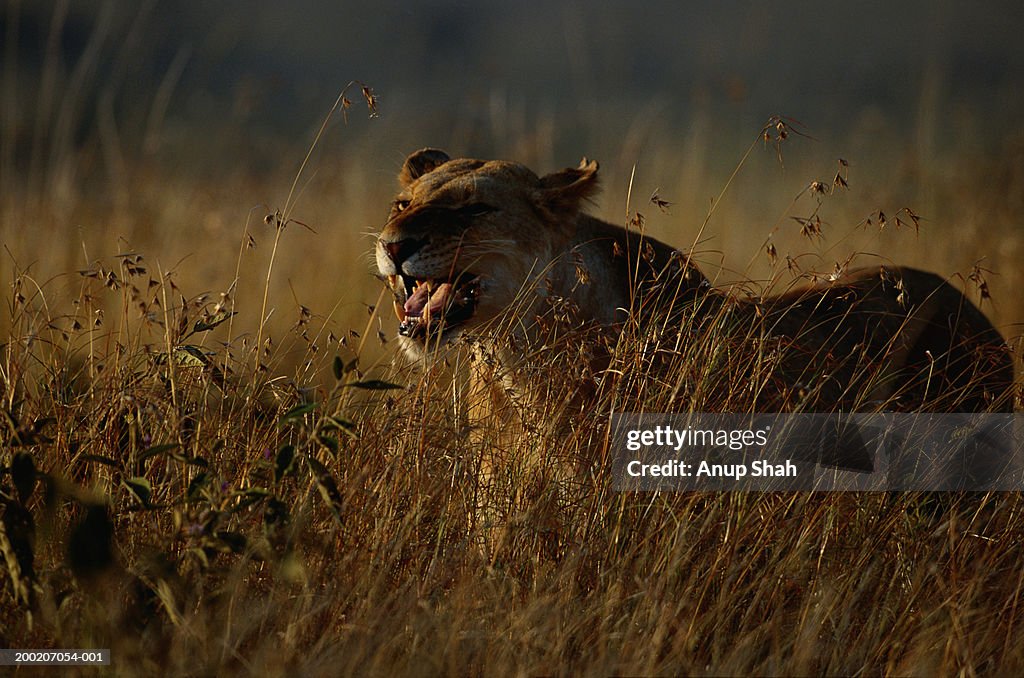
{"points": [[432, 305]]}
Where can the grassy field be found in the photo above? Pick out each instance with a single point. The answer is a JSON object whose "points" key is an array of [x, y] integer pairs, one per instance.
{"points": [[214, 463]]}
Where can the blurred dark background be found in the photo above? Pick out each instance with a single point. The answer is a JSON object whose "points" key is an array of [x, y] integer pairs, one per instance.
{"points": [[277, 66]]}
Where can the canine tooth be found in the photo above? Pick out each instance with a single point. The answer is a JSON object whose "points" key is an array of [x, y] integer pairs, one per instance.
{"points": [[392, 280], [400, 312]]}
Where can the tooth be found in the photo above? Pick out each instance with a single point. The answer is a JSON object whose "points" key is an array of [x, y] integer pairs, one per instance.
{"points": [[392, 280], [400, 312]]}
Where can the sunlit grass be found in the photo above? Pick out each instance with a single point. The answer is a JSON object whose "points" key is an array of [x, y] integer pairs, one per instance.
{"points": [[211, 463]]}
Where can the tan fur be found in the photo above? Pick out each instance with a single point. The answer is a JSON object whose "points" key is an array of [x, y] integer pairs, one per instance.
{"points": [[530, 242]]}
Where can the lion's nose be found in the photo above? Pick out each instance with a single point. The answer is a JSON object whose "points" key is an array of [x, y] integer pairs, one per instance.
{"points": [[401, 250]]}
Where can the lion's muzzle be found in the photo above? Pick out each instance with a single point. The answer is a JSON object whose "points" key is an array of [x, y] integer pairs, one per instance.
{"points": [[425, 305]]}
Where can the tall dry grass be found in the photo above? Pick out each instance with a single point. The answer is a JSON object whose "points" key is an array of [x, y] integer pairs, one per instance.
{"points": [[198, 511], [268, 493], [201, 502]]}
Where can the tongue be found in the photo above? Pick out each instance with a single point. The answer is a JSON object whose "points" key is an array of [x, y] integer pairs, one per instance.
{"points": [[422, 299], [415, 303]]}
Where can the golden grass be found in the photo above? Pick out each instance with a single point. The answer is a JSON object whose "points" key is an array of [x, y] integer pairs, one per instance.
{"points": [[207, 493], [197, 516]]}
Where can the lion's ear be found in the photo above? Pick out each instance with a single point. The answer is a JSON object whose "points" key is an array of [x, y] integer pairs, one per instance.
{"points": [[563, 191], [421, 162]]}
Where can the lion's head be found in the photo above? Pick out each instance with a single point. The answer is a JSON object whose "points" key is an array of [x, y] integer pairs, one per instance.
{"points": [[464, 236]]}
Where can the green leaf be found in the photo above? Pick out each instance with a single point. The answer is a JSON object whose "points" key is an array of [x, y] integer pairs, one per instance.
{"points": [[141, 488], [100, 459], [196, 486], [275, 513], [201, 556], [339, 423], [341, 368], [190, 356], [298, 411], [248, 497], [373, 385], [345, 426], [214, 320], [157, 449], [235, 541], [284, 463], [328, 442]]}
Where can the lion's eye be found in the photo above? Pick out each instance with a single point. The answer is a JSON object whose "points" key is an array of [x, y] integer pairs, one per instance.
{"points": [[401, 205]]}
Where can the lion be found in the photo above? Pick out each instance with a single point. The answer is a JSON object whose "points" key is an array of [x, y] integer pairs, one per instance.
{"points": [[568, 318], [474, 246]]}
